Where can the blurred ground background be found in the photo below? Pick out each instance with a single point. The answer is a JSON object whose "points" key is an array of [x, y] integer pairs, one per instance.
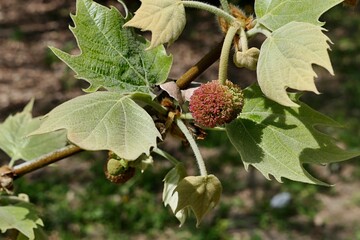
{"points": [[77, 202]]}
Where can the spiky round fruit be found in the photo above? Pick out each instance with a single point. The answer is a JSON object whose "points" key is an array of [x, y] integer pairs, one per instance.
{"points": [[214, 104]]}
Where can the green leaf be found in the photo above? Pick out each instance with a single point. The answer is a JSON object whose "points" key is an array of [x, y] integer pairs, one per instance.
{"points": [[20, 216], [15, 142], [164, 18], [104, 121], [111, 56], [170, 196], [286, 59], [278, 140], [142, 162], [274, 14], [38, 232], [200, 193]]}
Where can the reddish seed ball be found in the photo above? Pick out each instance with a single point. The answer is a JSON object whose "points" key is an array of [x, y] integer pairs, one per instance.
{"points": [[214, 104]]}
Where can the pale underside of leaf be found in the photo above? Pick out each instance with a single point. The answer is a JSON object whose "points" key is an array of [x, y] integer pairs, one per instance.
{"points": [[104, 121], [164, 18], [286, 60], [113, 57], [200, 193], [278, 140], [274, 14]]}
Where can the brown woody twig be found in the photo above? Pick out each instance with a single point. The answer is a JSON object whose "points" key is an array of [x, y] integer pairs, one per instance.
{"points": [[26, 167], [205, 62]]}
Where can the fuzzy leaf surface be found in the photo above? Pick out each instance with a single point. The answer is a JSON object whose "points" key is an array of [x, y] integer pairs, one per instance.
{"points": [[20, 216], [104, 121], [111, 56], [200, 193], [278, 140], [15, 142], [274, 14], [164, 18], [286, 59]]}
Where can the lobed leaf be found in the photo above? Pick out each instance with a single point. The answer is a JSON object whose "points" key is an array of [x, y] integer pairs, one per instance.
{"points": [[164, 18], [22, 217], [104, 121], [278, 140], [200, 193], [111, 56], [286, 59], [15, 142], [274, 14]]}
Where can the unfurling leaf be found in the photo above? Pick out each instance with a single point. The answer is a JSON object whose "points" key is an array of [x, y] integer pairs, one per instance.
{"points": [[274, 14], [111, 56], [164, 18], [278, 140], [15, 142], [104, 121], [286, 60], [170, 196], [200, 193], [247, 59]]}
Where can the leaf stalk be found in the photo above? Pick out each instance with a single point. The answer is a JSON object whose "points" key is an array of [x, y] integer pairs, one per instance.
{"points": [[210, 8], [225, 52], [145, 98], [193, 145], [225, 5], [258, 28], [243, 40], [166, 156]]}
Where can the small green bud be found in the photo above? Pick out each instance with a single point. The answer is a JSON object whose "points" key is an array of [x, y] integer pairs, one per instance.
{"points": [[247, 59], [118, 171]]}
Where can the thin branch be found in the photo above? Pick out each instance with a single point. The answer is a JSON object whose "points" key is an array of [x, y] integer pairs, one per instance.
{"points": [[30, 166], [200, 67]]}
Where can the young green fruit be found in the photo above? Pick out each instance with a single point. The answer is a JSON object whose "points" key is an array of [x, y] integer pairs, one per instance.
{"points": [[115, 167], [214, 104], [118, 171]]}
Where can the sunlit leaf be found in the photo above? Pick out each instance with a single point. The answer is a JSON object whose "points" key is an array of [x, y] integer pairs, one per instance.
{"points": [[14, 139], [104, 121], [111, 56], [274, 14], [164, 18], [278, 140], [286, 59]]}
